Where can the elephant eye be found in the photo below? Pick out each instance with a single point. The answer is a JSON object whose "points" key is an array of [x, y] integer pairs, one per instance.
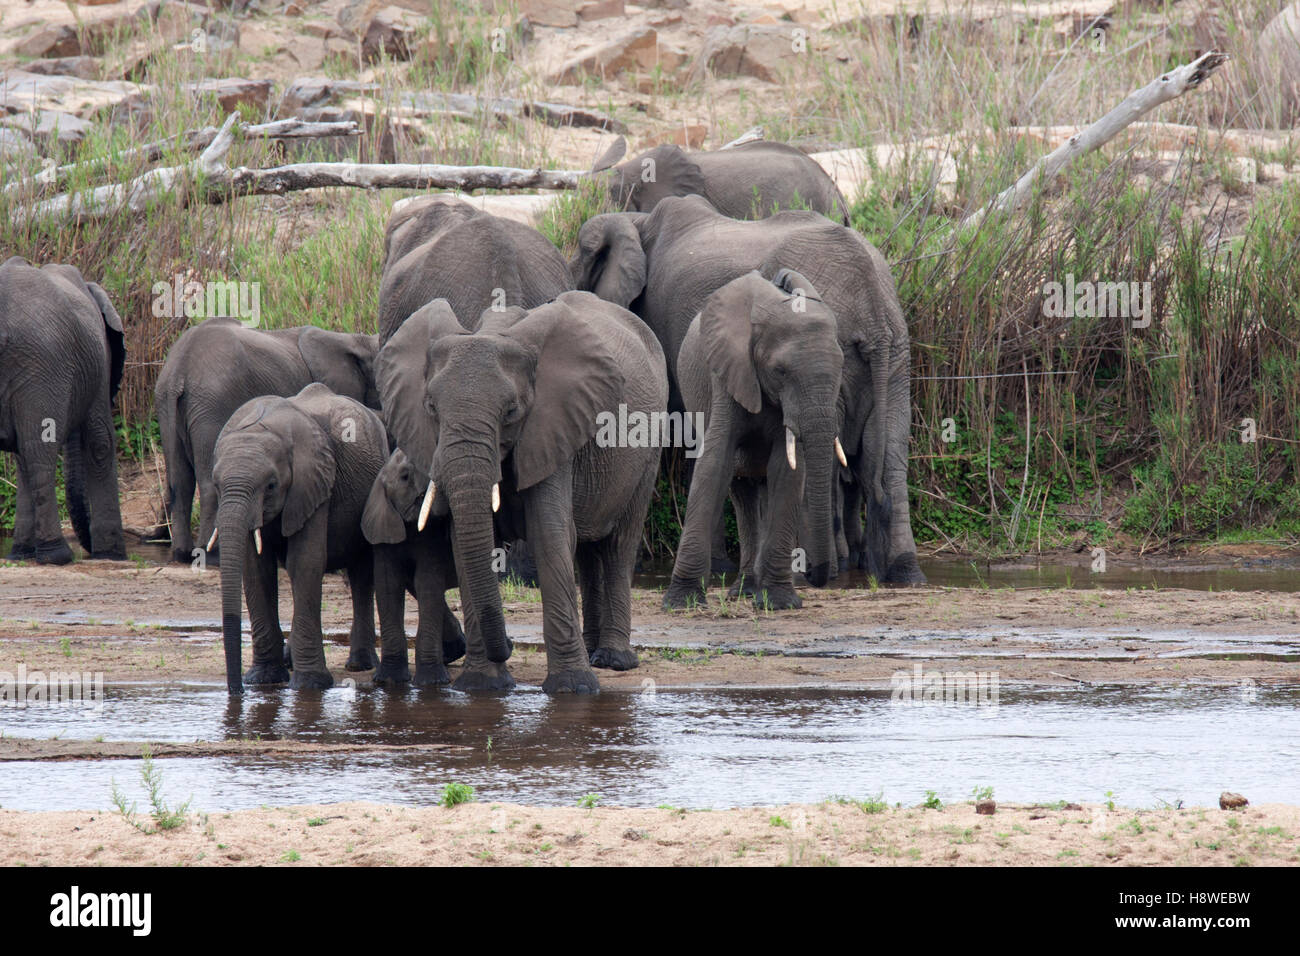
{"points": [[512, 413]]}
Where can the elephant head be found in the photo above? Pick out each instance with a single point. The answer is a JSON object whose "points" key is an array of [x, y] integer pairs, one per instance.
{"points": [[638, 184], [343, 362], [610, 261], [273, 468], [507, 405], [777, 342], [394, 500]]}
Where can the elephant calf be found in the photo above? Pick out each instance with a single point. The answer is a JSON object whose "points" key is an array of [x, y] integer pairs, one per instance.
{"points": [[217, 366], [408, 558], [61, 340], [292, 477]]}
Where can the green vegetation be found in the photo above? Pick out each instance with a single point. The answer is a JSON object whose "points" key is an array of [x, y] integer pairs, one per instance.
{"points": [[454, 794], [164, 817]]}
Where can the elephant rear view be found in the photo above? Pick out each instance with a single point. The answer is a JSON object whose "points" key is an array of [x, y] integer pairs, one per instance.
{"points": [[62, 344], [441, 247], [220, 364]]}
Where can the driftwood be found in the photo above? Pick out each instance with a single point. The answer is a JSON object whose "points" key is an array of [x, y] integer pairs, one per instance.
{"points": [[1136, 105]]}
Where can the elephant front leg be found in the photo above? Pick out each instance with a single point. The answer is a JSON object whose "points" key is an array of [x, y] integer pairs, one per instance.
{"points": [[361, 636], [589, 575], [390, 594], [553, 536], [306, 565], [99, 452], [745, 497], [439, 638], [775, 558], [262, 593]]}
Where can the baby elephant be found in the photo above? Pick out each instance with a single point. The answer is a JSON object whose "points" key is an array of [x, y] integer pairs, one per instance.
{"points": [[292, 478], [419, 561]]}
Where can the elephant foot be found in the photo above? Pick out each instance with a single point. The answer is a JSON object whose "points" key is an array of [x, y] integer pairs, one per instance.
{"points": [[575, 681], [392, 674], [266, 673], [904, 570], [843, 563], [742, 585], [362, 659], [615, 660], [52, 552], [184, 556], [819, 575], [721, 564], [311, 680], [453, 649], [484, 678], [109, 554], [22, 552], [433, 675], [782, 597], [681, 597]]}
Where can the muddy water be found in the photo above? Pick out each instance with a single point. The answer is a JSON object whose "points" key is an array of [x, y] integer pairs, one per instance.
{"points": [[691, 748]]}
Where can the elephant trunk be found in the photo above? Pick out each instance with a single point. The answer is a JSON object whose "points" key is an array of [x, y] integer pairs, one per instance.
{"points": [[469, 496], [234, 521], [818, 437]]}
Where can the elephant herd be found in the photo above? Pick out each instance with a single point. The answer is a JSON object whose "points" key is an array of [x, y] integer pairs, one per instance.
{"points": [[411, 459]]}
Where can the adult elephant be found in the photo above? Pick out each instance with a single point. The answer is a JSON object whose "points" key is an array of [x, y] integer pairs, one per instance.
{"points": [[418, 560], [750, 181], [762, 362], [292, 478], [441, 247], [506, 420], [63, 353], [217, 366], [664, 265]]}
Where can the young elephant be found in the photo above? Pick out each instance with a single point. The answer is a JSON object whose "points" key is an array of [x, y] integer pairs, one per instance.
{"points": [[505, 421], [408, 559], [61, 342], [762, 361], [292, 477], [215, 367]]}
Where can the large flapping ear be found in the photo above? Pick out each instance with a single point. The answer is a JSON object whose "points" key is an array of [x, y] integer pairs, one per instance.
{"points": [[380, 522], [611, 156], [657, 174], [792, 283], [610, 261], [311, 461], [401, 369], [115, 334], [726, 328], [343, 362], [577, 378]]}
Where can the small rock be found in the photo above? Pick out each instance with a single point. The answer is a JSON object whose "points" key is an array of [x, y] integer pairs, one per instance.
{"points": [[233, 91], [640, 48], [1232, 801], [551, 13], [601, 10], [752, 50], [83, 67], [14, 146], [631, 834], [63, 128], [1072, 806], [1268, 172], [986, 807], [320, 28], [53, 41]]}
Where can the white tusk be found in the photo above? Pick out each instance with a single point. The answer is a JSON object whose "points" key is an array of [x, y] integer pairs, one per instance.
{"points": [[427, 506], [496, 498], [213, 540], [257, 539], [839, 452], [789, 450]]}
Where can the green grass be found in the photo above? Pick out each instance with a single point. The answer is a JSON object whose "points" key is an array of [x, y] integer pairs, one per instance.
{"points": [[454, 794]]}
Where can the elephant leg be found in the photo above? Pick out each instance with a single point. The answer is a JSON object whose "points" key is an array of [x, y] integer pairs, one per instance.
{"points": [[74, 488], [438, 626], [361, 637], [306, 565], [99, 452], [180, 500], [24, 543], [589, 573], [902, 565], [203, 448], [719, 560], [617, 555], [36, 465], [854, 539], [745, 495], [774, 559], [549, 516], [390, 594], [262, 594], [520, 563]]}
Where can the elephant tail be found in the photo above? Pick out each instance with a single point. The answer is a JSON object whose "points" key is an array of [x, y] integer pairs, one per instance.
{"points": [[74, 480]]}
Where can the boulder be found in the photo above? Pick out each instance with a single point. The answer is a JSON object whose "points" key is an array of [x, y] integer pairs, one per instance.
{"points": [[601, 10], [552, 13], [232, 92], [83, 67], [14, 146], [637, 49], [51, 41], [50, 126], [762, 52], [1232, 801], [23, 92]]}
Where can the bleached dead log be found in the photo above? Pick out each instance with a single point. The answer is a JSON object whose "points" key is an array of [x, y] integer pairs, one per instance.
{"points": [[1136, 105], [748, 136], [197, 139]]}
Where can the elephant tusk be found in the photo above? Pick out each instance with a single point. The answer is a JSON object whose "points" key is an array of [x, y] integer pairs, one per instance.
{"points": [[496, 498], [213, 540], [427, 506], [839, 452], [789, 450], [257, 539]]}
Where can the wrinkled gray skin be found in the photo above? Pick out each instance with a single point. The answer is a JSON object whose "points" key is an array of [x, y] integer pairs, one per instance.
{"points": [[421, 562], [217, 366], [61, 343], [440, 247], [666, 264], [300, 469], [517, 404], [751, 181], [761, 359]]}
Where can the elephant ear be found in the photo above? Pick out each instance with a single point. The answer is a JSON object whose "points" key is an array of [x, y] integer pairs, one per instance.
{"points": [[116, 337], [726, 328], [311, 460], [401, 369], [343, 363], [611, 156], [793, 283], [659, 173], [380, 522], [610, 261], [577, 377]]}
